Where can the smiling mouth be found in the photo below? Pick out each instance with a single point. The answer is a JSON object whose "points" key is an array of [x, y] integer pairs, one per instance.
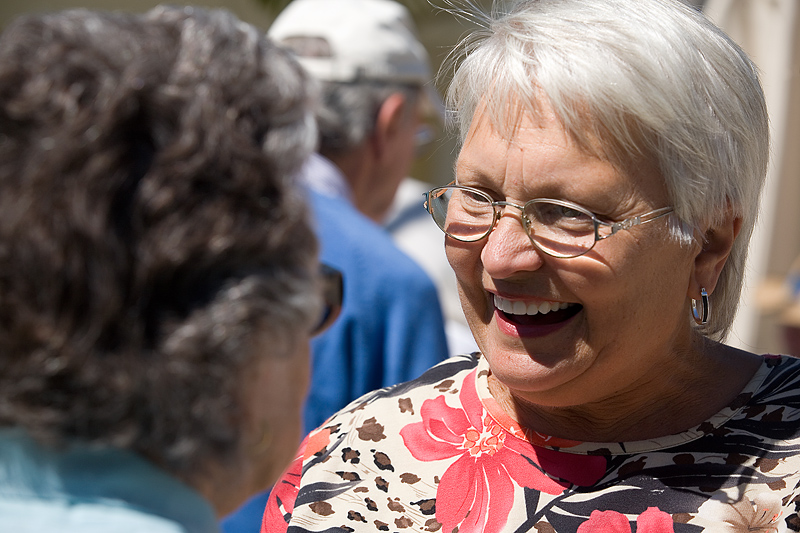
{"points": [[533, 314]]}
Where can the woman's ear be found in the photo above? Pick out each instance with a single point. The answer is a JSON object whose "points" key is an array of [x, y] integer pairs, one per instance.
{"points": [[716, 245]]}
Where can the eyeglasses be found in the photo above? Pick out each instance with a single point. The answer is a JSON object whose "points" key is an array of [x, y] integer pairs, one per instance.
{"points": [[556, 227], [333, 294]]}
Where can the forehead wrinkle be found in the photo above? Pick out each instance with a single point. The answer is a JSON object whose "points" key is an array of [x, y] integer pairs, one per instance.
{"points": [[514, 177], [485, 165], [524, 160], [583, 146], [551, 145]]}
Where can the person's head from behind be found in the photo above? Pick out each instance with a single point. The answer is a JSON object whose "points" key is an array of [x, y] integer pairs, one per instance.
{"points": [[650, 123], [376, 85], [157, 271]]}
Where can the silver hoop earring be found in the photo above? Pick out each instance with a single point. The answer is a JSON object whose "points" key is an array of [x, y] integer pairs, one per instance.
{"points": [[701, 316]]}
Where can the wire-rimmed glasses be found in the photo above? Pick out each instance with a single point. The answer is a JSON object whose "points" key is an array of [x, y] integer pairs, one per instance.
{"points": [[556, 227]]}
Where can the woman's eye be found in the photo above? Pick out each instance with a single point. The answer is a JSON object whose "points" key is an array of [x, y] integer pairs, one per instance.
{"points": [[562, 217], [569, 212], [469, 202], [475, 197]]}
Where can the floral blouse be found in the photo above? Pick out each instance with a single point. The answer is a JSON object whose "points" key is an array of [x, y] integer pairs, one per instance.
{"points": [[439, 454]]}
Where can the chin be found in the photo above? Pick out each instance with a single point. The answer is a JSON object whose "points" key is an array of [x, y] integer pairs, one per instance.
{"points": [[527, 369]]}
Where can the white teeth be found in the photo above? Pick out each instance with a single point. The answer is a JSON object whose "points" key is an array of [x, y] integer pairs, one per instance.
{"points": [[517, 307]]}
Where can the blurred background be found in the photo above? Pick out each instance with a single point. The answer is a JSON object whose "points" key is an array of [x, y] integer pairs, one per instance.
{"points": [[769, 315], [438, 31]]}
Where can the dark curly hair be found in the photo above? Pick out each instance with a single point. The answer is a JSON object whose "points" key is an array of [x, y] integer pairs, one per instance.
{"points": [[148, 226]]}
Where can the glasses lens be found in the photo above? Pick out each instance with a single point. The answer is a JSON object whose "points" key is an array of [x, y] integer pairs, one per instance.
{"points": [[333, 294], [561, 229], [463, 214]]}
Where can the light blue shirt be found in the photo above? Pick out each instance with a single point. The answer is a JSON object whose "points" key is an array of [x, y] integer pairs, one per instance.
{"points": [[83, 489]]}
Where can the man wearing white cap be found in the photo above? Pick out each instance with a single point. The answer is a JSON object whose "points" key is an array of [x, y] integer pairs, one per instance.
{"points": [[376, 90], [376, 93]]}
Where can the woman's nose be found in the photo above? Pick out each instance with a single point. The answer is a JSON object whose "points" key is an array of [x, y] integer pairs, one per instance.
{"points": [[508, 248]]}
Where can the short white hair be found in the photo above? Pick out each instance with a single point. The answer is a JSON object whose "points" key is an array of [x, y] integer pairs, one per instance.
{"points": [[649, 78]]}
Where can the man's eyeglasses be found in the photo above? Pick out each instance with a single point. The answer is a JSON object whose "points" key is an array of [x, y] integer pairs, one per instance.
{"points": [[556, 227], [333, 294]]}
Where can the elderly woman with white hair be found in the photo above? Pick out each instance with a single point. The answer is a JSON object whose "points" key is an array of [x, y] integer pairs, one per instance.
{"points": [[612, 157]]}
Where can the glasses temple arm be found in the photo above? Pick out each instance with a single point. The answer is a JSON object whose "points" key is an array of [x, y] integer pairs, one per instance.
{"points": [[634, 221]]}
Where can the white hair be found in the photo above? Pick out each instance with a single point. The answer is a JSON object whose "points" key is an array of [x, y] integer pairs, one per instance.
{"points": [[649, 78]]}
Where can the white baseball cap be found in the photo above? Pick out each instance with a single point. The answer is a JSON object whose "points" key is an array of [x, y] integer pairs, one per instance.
{"points": [[356, 40]]}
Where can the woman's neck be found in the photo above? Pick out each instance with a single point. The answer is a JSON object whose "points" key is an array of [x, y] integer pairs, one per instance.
{"points": [[655, 407]]}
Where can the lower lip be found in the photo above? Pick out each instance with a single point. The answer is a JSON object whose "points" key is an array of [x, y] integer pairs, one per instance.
{"points": [[533, 331]]}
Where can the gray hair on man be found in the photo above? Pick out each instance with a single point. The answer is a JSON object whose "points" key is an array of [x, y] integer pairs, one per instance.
{"points": [[361, 51]]}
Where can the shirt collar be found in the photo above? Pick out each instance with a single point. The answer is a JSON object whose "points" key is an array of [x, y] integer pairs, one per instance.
{"points": [[321, 175]]}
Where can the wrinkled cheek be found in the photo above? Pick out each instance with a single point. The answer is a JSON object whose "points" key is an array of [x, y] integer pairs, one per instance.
{"points": [[465, 260]]}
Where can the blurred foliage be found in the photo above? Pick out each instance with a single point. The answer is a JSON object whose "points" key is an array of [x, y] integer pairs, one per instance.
{"points": [[274, 6], [418, 8]]}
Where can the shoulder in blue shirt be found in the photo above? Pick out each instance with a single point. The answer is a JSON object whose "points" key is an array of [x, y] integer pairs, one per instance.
{"points": [[391, 328]]}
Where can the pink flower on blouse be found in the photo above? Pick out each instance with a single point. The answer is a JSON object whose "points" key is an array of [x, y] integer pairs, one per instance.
{"points": [[283, 495], [652, 520], [478, 488]]}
